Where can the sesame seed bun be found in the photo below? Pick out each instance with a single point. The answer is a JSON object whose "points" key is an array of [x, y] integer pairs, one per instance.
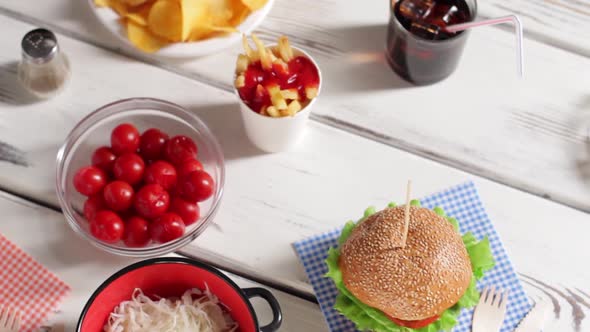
{"points": [[421, 280]]}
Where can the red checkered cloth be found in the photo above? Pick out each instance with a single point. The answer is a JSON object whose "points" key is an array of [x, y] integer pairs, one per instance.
{"points": [[27, 286]]}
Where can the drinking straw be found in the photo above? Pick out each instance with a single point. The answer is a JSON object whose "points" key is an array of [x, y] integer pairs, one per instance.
{"points": [[500, 20]]}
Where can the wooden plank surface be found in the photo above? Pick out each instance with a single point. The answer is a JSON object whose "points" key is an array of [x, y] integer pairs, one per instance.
{"points": [[529, 134], [52, 244], [269, 213], [274, 200], [283, 194], [43, 234], [562, 23]]}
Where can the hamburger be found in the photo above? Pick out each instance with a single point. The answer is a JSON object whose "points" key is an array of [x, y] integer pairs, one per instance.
{"points": [[390, 280]]}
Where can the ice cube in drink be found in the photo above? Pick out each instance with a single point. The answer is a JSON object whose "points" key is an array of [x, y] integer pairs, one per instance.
{"points": [[421, 16], [415, 9], [425, 30], [449, 16]]}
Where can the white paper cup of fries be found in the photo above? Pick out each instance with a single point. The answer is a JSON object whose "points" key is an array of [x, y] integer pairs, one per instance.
{"points": [[283, 124]]}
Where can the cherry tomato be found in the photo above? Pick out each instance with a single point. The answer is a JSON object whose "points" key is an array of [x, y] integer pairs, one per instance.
{"points": [[189, 212], [129, 168], [151, 201], [104, 158], [137, 233], [89, 180], [118, 195], [180, 149], [107, 226], [162, 173], [187, 167], [92, 205], [197, 186], [166, 228], [152, 143], [414, 324], [124, 139]]}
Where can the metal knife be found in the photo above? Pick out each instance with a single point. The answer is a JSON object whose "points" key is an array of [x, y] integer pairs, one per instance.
{"points": [[534, 321]]}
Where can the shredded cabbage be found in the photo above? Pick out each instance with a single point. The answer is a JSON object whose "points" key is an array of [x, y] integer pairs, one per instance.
{"points": [[194, 311], [367, 318]]}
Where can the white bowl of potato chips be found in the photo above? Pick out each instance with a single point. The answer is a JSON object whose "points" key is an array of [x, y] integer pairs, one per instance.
{"points": [[180, 28]]}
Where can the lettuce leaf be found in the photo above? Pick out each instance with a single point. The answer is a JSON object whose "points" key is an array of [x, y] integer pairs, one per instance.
{"points": [[480, 254], [367, 318]]}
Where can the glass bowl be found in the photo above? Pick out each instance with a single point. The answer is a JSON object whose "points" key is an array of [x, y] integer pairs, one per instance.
{"points": [[94, 131]]}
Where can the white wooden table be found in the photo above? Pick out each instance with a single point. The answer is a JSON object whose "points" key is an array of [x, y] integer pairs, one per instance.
{"points": [[520, 141]]}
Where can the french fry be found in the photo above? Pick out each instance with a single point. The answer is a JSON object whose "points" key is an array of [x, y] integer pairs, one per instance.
{"points": [[265, 60], [276, 98], [283, 103], [293, 108], [290, 94], [311, 92], [260, 91], [240, 81], [272, 111], [282, 63], [273, 57], [249, 52], [285, 50], [242, 63]]}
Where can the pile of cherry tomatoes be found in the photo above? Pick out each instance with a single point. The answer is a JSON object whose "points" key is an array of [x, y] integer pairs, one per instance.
{"points": [[144, 187]]}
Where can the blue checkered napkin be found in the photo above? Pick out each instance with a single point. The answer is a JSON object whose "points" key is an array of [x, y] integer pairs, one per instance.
{"points": [[461, 202]]}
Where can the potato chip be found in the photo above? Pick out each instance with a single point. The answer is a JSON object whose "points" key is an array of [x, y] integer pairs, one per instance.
{"points": [[240, 12], [154, 23], [195, 19], [119, 7], [137, 19], [139, 15], [135, 2], [165, 20], [102, 3], [254, 4], [143, 39], [209, 17], [225, 29], [220, 12], [201, 32]]}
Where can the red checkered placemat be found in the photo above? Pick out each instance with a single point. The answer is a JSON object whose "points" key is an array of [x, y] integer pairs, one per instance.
{"points": [[28, 286]]}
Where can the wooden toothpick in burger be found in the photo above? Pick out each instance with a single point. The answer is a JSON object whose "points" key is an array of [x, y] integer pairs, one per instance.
{"points": [[407, 214]]}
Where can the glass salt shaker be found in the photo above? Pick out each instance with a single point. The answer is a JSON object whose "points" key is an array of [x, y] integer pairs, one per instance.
{"points": [[44, 70]]}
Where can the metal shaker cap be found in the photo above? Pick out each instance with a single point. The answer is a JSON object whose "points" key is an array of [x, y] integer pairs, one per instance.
{"points": [[39, 45]]}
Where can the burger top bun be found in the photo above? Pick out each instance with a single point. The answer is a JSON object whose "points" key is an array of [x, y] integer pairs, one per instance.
{"points": [[420, 280]]}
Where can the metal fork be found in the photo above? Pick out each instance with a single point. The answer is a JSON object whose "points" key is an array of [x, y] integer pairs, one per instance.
{"points": [[490, 311], [9, 320]]}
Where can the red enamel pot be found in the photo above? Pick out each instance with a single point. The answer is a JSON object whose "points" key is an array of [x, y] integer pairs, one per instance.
{"points": [[170, 277]]}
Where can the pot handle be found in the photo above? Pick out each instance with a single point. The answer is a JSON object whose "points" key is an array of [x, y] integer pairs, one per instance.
{"points": [[277, 315]]}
